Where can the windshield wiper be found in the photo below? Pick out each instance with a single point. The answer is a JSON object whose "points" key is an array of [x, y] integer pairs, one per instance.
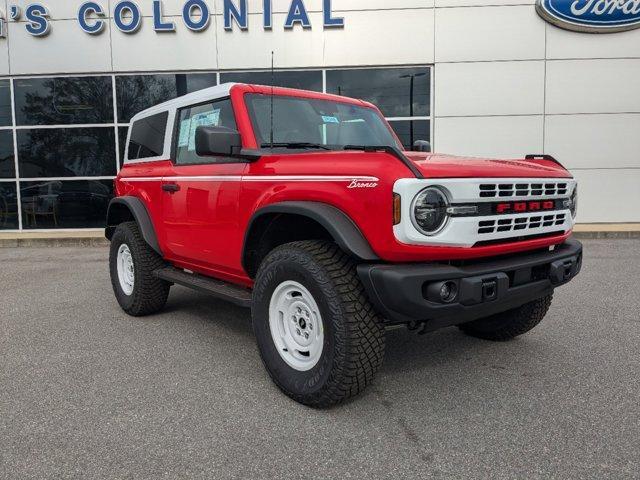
{"points": [[293, 145]]}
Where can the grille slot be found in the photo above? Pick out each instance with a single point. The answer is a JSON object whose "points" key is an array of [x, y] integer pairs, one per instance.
{"points": [[515, 190], [486, 227]]}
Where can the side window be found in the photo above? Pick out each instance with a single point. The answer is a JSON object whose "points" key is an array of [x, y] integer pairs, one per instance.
{"points": [[147, 137], [214, 114]]}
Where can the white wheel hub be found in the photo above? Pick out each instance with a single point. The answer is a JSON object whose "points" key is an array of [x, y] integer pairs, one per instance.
{"points": [[296, 326], [126, 272]]}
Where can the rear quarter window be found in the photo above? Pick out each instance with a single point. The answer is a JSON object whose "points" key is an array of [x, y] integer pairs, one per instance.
{"points": [[147, 137]]}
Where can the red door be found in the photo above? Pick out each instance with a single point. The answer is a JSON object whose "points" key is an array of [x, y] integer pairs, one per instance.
{"points": [[200, 199]]}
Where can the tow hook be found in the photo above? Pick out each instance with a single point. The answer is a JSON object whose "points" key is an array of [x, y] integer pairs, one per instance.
{"points": [[562, 271], [489, 290]]}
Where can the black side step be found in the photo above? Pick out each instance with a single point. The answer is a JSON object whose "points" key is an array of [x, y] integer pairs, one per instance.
{"points": [[226, 291]]}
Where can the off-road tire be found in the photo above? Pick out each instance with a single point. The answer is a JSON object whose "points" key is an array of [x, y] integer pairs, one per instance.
{"points": [[354, 337], [510, 324], [149, 292]]}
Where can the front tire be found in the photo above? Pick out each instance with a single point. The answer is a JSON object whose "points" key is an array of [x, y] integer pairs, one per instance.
{"points": [[510, 324], [132, 263], [318, 335]]}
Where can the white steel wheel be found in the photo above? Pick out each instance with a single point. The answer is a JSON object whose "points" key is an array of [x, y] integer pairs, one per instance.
{"points": [[126, 272], [296, 326]]}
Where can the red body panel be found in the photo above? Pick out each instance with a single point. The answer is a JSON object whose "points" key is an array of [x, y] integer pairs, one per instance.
{"points": [[448, 166], [202, 226]]}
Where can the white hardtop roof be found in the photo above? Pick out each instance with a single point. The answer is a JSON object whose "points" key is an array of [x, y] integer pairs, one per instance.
{"points": [[201, 96]]}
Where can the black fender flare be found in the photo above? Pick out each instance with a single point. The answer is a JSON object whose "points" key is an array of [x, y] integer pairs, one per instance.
{"points": [[340, 226], [140, 215]]}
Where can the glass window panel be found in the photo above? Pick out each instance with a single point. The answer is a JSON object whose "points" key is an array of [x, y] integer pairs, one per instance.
{"points": [[63, 101], [8, 206], [397, 92], [65, 204], [301, 120], [122, 139], [139, 92], [410, 132], [67, 152], [6, 118], [147, 137], [7, 162], [305, 80], [216, 114]]}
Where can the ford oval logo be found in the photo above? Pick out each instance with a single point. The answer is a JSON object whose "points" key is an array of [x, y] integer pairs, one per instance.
{"points": [[597, 16]]}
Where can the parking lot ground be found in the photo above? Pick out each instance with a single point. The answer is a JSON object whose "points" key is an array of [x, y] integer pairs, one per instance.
{"points": [[87, 392]]}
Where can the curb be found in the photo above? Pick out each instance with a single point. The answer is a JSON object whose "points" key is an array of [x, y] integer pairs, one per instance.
{"points": [[53, 242], [606, 235]]}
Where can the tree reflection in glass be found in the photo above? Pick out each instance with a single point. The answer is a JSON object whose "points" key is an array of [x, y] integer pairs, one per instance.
{"points": [[139, 92], [67, 152], [64, 101]]}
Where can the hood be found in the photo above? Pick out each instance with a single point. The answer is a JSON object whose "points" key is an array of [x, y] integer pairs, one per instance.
{"points": [[433, 165]]}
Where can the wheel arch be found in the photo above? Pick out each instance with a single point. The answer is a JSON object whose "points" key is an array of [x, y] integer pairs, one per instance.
{"points": [[123, 209], [267, 229]]}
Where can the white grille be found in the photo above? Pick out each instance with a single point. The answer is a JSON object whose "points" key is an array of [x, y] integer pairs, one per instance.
{"points": [[526, 224], [506, 190], [467, 231]]}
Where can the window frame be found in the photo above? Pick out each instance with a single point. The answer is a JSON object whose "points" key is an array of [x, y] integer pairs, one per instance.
{"points": [[176, 133]]}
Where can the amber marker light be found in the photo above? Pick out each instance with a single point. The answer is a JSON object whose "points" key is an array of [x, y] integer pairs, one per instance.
{"points": [[397, 209]]}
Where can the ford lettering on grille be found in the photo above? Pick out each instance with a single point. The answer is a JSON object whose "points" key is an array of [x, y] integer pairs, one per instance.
{"points": [[521, 207]]}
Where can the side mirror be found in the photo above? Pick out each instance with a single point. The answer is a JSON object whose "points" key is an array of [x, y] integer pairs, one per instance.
{"points": [[421, 146], [218, 141]]}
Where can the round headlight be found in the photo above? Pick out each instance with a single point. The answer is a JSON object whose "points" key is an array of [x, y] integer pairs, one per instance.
{"points": [[574, 202], [429, 211]]}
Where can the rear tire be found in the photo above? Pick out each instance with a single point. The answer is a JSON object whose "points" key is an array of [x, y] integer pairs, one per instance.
{"points": [[132, 263], [510, 324], [318, 281]]}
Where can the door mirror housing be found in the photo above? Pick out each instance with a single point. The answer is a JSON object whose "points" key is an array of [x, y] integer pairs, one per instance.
{"points": [[218, 142], [421, 146]]}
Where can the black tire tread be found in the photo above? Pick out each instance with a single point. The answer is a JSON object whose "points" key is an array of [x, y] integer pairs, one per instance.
{"points": [[510, 324], [360, 343], [150, 293]]}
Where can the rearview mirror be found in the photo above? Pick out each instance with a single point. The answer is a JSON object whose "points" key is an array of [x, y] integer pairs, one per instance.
{"points": [[421, 146], [218, 141]]}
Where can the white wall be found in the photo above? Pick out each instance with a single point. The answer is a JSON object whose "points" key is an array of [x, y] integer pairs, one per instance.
{"points": [[4, 46], [506, 82], [378, 33]]}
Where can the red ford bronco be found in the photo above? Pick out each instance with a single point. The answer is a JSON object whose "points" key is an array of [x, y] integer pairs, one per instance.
{"points": [[305, 208]]}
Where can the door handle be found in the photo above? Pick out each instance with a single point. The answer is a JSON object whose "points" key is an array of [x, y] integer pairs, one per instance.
{"points": [[171, 187]]}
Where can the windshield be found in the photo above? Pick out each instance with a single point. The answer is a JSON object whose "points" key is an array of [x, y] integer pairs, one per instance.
{"points": [[311, 123]]}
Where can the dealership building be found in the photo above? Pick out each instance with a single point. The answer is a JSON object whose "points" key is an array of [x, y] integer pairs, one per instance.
{"points": [[498, 78]]}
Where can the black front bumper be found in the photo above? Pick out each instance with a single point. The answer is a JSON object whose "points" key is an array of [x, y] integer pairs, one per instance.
{"points": [[411, 292]]}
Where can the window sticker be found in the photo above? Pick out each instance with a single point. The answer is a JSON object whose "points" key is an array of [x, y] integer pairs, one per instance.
{"points": [[328, 119], [205, 119], [185, 129]]}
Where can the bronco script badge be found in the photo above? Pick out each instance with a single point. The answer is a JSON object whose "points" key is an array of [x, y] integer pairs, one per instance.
{"points": [[595, 16]]}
